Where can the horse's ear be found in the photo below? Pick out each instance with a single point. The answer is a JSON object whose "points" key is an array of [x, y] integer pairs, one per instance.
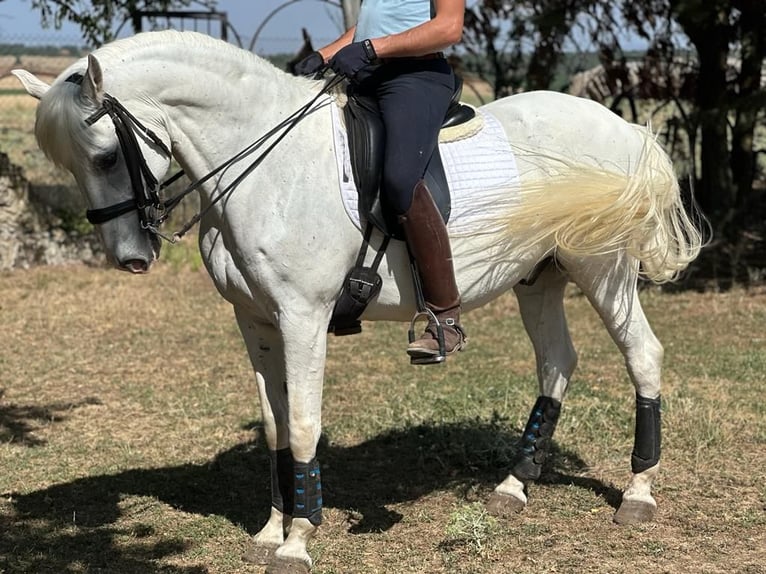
{"points": [[93, 82], [32, 84]]}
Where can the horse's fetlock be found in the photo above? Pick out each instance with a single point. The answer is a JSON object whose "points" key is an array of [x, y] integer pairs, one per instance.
{"points": [[308, 491]]}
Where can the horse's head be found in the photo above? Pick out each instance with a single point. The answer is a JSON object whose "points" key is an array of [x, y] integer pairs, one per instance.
{"points": [[306, 49], [114, 157]]}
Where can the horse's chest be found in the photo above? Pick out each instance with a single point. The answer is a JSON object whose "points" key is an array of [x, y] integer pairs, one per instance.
{"points": [[239, 285]]}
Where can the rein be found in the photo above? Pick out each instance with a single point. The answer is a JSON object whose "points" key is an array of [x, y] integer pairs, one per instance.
{"points": [[152, 210]]}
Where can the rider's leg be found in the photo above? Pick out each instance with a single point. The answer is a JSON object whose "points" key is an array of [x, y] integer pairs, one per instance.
{"points": [[413, 96], [429, 245]]}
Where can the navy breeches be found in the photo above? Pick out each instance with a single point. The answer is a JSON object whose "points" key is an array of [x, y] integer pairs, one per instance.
{"points": [[413, 96]]}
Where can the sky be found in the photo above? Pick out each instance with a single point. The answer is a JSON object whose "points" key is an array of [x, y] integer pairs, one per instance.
{"points": [[281, 33]]}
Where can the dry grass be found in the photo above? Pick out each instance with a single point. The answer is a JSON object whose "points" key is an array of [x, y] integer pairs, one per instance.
{"points": [[131, 441], [17, 140]]}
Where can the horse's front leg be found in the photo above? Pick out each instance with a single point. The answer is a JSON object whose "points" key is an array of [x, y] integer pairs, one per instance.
{"points": [[289, 363], [305, 343], [542, 310], [264, 346]]}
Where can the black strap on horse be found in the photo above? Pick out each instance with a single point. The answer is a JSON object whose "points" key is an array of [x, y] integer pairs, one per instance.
{"points": [[145, 186], [284, 127], [360, 286]]}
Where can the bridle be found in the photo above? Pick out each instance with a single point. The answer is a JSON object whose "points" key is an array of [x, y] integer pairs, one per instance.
{"points": [[146, 189], [153, 211]]}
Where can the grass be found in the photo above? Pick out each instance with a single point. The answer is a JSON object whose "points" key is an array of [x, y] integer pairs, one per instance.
{"points": [[130, 438], [17, 139]]}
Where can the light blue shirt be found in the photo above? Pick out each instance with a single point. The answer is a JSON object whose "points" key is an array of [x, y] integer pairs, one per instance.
{"points": [[379, 18]]}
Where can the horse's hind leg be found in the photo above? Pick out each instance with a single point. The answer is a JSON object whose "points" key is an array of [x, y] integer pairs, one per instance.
{"points": [[611, 289], [541, 306]]}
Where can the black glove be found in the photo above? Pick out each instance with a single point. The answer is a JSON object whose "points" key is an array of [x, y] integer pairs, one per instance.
{"points": [[355, 61], [309, 65]]}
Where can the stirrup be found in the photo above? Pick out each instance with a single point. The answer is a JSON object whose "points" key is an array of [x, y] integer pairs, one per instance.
{"points": [[427, 359]]}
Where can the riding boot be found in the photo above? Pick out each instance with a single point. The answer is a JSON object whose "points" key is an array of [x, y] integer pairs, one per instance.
{"points": [[428, 243]]}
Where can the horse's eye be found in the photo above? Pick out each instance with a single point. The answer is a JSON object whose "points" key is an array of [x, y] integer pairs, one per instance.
{"points": [[105, 161]]}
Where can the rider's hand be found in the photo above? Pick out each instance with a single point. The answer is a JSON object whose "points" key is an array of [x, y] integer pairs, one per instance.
{"points": [[309, 65], [355, 61]]}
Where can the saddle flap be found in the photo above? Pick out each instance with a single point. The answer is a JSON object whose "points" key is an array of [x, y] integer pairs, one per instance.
{"points": [[367, 142]]}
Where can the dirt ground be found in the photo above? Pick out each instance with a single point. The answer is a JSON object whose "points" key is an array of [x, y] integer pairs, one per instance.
{"points": [[130, 439]]}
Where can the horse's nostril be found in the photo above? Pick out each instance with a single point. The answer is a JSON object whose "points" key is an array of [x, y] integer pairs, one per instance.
{"points": [[135, 266]]}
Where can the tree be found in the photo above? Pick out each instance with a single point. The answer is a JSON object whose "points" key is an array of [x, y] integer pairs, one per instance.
{"points": [[705, 61], [726, 106], [491, 52], [100, 19]]}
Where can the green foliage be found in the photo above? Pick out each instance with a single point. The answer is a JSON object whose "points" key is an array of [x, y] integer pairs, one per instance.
{"points": [[182, 255], [74, 224]]}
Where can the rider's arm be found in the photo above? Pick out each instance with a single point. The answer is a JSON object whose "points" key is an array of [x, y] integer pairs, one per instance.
{"points": [[330, 50], [439, 33]]}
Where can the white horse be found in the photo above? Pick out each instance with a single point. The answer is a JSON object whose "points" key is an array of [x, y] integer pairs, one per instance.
{"points": [[595, 193]]}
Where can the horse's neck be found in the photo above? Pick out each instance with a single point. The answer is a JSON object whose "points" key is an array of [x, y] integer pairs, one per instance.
{"points": [[208, 92]]}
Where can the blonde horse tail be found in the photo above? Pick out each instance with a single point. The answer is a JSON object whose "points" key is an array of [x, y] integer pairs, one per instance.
{"points": [[589, 210]]}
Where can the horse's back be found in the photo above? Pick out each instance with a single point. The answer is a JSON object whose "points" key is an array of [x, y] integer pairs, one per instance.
{"points": [[559, 126]]}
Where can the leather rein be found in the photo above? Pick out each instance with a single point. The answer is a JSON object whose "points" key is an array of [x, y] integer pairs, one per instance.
{"points": [[153, 211]]}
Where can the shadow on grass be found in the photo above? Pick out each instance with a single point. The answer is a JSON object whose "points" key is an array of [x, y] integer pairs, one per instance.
{"points": [[398, 466], [18, 422]]}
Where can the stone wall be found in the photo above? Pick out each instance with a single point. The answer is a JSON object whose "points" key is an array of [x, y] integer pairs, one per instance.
{"points": [[39, 231]]}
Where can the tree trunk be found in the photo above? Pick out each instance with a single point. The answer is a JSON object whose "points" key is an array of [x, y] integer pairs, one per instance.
{"points": [[743, 159], [706, 24]]}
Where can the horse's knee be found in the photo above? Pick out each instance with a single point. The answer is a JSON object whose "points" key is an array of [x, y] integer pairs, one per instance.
{"points": [[554, 376]]}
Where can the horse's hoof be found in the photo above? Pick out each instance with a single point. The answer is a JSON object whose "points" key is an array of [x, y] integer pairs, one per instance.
{"points": [[634, 512], [259, 554], [278, 566], [504, 505]]}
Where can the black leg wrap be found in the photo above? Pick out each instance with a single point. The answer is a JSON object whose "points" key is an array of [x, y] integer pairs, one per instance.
{"points": [[536, 440], [647, 443], [282, 480], [308, 491]]}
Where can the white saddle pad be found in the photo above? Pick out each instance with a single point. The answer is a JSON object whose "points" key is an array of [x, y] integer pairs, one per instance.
{"points": [[476, 168]]}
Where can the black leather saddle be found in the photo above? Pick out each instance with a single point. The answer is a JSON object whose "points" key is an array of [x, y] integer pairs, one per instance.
{"points": [[367, 138]]}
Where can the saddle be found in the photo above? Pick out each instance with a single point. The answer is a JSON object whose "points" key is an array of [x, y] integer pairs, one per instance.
{"points": [[367, 138]]}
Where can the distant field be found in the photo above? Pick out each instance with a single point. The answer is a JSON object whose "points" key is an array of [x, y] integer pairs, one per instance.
{"points": [[17, 138], [131, 440]]}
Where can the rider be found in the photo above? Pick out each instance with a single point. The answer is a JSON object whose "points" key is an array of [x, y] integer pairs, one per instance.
{"points": [[394, 55]]}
